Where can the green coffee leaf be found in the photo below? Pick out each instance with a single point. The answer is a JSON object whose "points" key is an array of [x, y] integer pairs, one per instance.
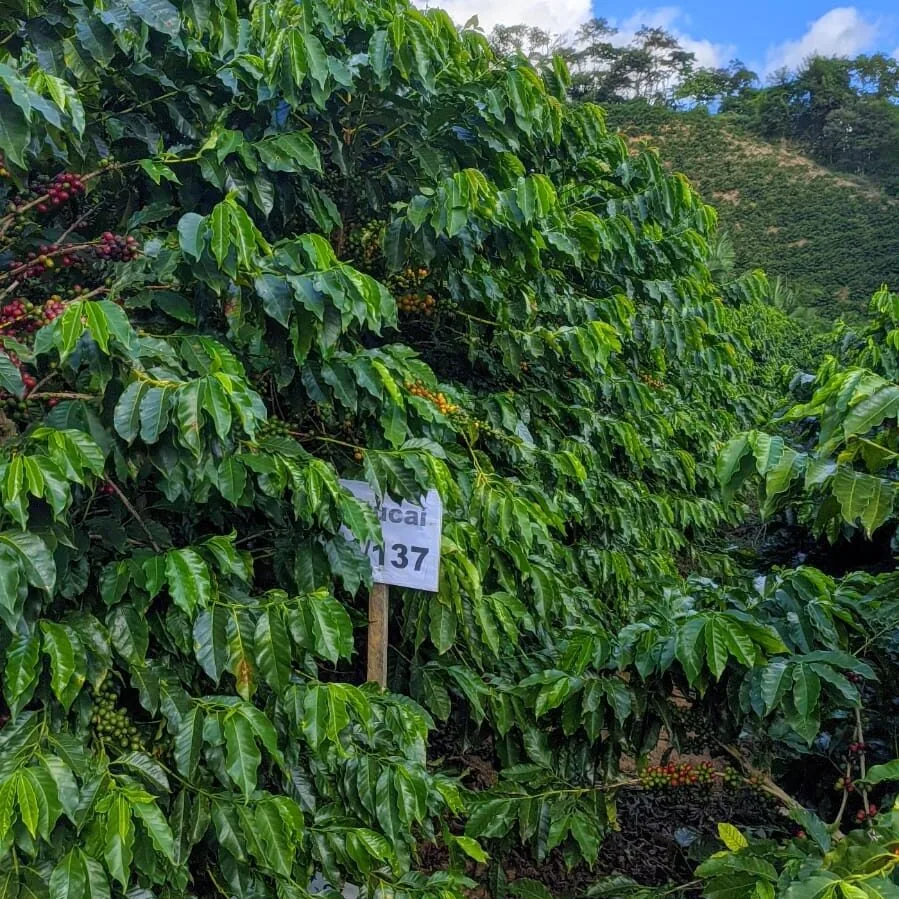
{"points": [[273, 652], [731, 837], [241, 754], [157, 828], [190, 584], [66, 660], [332, 628], [21, 672], [119, 840]]}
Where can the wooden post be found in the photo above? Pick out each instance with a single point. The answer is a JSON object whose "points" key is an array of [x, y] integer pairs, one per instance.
{"points": [[378, 608]]}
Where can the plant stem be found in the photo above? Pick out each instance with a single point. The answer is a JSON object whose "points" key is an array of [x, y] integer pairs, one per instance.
{"points": [[64, 251], [34, 395], [78, 221], [388, 135], [135, 514], [862, 758], [764, 780], [847, 777], [137, 106], [9, 289]]}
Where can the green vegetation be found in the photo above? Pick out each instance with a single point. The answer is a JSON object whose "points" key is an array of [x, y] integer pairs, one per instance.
{"points": [[841, 112], [249, 249], [803, 172], [833, 238]]}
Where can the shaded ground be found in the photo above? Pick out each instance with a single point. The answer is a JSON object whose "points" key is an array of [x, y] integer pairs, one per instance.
{"points": [[662, 838]]}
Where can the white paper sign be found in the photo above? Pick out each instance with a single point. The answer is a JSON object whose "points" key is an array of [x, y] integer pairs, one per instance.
{"points": [[410, 556]]}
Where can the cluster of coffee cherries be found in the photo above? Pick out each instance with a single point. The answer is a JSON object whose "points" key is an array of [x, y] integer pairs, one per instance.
{"points": [[33, 266], [17, 409], [347, 430], [414, 298], [444, 406], [63, 187], [845, 783], [274, 427], [18, 312], [105, 488], [48, 192], [46, 257], [417, 304], [651, 382], [408, 279], [4, 171], [485, 428], [695, 733], [364, 241], [28, 379], [111, 723], [756, 781], [117, 247], [66, 260], [343, 187], [15, 406], [21, 316], [673, 776], [863, 814], [53, 308]]}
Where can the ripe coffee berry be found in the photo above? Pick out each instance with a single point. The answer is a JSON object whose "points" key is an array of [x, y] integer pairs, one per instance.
{"points": [[444, 406], [53, 308], [64, 187], [671, 775], [14, 310], [116, 247]]}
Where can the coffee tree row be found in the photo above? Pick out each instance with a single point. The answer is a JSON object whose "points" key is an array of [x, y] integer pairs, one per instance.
{"points": [[302, 241], [830, 460]]}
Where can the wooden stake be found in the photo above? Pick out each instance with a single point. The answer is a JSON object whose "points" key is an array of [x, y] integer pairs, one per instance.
{"points": [[378, 608]]}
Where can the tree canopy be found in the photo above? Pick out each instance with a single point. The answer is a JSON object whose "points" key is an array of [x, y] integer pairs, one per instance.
{"points": [[842, 112], [250, 249]]}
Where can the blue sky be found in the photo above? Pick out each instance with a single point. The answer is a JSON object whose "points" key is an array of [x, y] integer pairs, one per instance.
{"points": [[764, 33]]}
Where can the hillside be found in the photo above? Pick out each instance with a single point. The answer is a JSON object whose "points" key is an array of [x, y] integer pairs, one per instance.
{"points": [[833, 237]]}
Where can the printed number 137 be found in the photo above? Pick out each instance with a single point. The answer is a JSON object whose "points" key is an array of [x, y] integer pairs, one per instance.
{"points": [[399, 555]]}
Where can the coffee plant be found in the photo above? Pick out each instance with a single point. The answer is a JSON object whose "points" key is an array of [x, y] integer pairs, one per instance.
{"points": [[252, 248], [836, 456]]}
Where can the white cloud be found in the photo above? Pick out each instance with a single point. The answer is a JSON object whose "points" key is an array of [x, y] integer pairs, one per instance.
{"points": [[556, 16], [564, 16], [673, 20], [842, 31], [896, 53]]}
